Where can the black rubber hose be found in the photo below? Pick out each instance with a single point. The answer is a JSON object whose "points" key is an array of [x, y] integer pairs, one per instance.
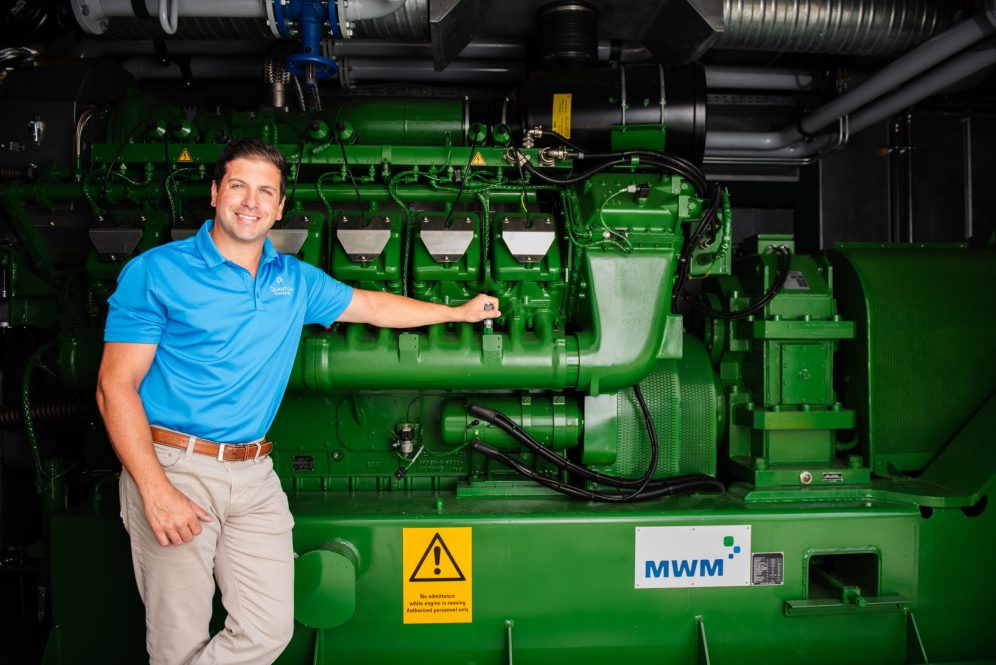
{"points": [[680, 165], [340, 127], [12, 417], [776, 287], [463, 184], [646, 487], [685, 257], [572, 180], [565, 141], [148, 124], [507, 425], [685, 484]]}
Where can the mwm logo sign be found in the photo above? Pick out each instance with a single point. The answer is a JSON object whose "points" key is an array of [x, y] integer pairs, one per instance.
{"points": [[681, 557], [685, 568]]}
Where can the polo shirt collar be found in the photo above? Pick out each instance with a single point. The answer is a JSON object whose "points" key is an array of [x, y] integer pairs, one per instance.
{"points": [[269, 252], [209, 251]]}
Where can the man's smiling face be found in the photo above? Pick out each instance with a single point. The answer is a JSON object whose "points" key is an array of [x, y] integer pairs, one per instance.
{"points": [[247, 202]]}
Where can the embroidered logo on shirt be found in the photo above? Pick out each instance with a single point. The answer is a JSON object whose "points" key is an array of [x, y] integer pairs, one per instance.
{"points": [[279, 289]]}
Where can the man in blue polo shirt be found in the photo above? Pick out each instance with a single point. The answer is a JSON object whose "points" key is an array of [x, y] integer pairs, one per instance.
{"points": [[200, 339]]}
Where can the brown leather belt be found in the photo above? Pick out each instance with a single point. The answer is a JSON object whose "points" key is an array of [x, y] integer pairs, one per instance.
{"points": [[223, 452]]}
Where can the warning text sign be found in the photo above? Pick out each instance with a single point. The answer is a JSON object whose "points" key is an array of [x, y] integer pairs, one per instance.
{"points": [[437, 569]]}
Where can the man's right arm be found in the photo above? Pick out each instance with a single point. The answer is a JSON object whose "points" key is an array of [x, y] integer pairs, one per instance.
{"points": [[173, 517]]}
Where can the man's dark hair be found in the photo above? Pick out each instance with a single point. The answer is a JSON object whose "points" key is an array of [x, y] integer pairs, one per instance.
{"points": [[251, 148]]}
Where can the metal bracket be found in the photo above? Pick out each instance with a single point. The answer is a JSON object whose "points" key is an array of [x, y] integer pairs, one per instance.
{"points": [[446, 245], [291, 236], [114, 243], [528, 239], [361, 243]]}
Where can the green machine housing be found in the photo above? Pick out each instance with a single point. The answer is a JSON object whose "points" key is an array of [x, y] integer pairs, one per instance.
{"points": [[850, 418]]}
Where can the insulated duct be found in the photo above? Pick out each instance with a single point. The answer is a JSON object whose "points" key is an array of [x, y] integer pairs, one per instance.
{"points": [[682, 30], [852, 27]]}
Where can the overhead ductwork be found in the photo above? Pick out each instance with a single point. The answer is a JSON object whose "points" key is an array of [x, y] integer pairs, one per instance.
{"points": [[675, 31], [683, 30]]}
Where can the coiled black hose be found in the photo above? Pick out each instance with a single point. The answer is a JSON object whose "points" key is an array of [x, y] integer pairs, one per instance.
{"points": [[12, 417], [753, 308], [643, 488]]}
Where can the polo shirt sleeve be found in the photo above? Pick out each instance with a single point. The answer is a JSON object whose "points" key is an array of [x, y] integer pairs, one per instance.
{"points": [[327, 298], [136, 315]]}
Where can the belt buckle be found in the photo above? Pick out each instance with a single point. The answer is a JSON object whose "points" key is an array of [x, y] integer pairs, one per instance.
{"points": [[221, 452]]}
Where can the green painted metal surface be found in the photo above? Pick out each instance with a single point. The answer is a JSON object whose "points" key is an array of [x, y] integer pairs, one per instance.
{"points": [[575, 565], [777, 367], [903, 312]]}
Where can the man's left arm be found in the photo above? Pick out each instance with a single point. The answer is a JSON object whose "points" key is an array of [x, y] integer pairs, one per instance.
{"points": [[387, 310]]}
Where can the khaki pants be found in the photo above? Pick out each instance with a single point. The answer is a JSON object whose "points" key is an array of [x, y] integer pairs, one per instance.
{"points": [[246, 547]]}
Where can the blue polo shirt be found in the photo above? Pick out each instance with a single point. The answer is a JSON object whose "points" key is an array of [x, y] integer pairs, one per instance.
{"points": [[226, 343]]}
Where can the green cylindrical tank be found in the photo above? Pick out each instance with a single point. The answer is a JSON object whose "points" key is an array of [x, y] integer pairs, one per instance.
{"points": [[405, 121]]}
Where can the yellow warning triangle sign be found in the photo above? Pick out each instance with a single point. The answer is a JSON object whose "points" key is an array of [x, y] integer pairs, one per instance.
{"points": [[437, 564], [478, 160], [185, 156]]}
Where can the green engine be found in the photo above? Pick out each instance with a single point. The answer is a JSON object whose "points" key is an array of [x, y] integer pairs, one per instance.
{"points": [[668, 447]]}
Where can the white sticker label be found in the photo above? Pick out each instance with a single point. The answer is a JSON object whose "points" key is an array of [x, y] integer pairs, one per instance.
{"points": [[678, 557]]}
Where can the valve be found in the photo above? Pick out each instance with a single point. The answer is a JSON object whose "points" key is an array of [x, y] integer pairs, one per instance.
{"points": [[307, 18], [477, 134], [489, 323], [406, 439], [501, 134], [345, 132], [318, 130]]}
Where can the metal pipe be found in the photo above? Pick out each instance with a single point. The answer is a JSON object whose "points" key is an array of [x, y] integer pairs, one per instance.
{"points": [[359, 70], [363, 70], [756, 78], [917, 61], [945, 76], [199, 8], [927, 55], [95, 48], [950, 73], [478, 49], [613, 50], [149, 68]]}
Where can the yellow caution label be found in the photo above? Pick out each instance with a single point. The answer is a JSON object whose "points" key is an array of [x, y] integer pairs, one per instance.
{"points": [[437, 570], [185, 156], [562, 114], [478, 160]]}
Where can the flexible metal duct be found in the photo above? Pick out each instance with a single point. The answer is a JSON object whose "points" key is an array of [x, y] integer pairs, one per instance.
{"points": [[410, 23], [853, 27]]}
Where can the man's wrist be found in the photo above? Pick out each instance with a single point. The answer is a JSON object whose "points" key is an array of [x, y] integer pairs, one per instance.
{"points": [[153, 485]]}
